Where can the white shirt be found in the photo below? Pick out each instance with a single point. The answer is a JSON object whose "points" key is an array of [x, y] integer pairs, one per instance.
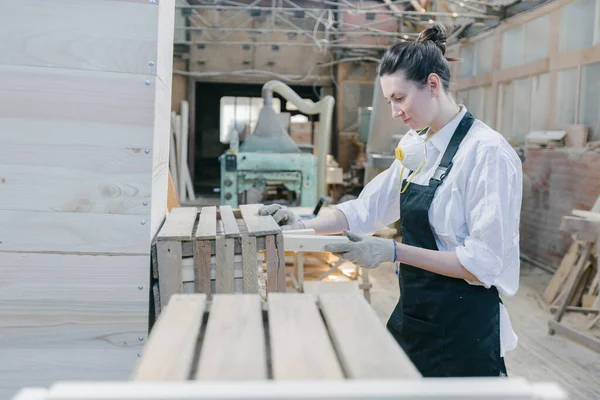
{"points": [[475, 212]]}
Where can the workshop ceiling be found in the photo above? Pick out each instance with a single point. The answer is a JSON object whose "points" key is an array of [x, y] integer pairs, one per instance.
{"points": [[299, 40]]}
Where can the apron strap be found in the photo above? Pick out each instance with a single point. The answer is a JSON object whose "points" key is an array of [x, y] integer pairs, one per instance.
{"points": [[446, 164]]}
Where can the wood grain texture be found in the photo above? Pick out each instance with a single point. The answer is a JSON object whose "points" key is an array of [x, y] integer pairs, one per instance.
{"points": [[207, 223], [96, 97], [73, 34], [169, 270], [234, 342], [281, 262], [21, 367], [224, 265], [160, 153], [81, 301], [201, 267], [230, 226], [258, 225], [300, 344], [272, 264], [250, 264], [31, 231], [179, 224], [164, 45], [170, 350], [365, 347]]}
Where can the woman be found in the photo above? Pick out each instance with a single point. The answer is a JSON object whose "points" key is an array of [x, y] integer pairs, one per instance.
{"points": [[457, 187]]}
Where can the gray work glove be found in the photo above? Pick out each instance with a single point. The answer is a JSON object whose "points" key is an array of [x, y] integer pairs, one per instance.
{"points": [[365, 251], [283, 216]]}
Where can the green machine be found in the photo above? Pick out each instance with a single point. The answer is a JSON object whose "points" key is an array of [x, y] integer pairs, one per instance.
{"points": [[269, 167]]}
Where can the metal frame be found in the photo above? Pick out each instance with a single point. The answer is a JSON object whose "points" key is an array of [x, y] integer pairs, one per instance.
{"points": [[330, 31]]}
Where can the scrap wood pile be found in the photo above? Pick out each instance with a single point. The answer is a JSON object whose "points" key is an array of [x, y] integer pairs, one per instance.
{"points": [[574, 286]]}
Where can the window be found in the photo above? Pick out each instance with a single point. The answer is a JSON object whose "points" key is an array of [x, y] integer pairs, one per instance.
{"points": [[522, 105], [476, 58], [512, 47], [577, 25], [504, 109], [241, 114], [566, 98], [537, 39], [589, 100], [540, 89]]}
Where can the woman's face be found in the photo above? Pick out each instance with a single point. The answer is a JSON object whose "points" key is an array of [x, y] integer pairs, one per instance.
{"points": [[413, 105]]}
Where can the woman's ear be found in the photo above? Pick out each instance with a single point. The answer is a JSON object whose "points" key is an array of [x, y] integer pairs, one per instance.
{"points": [[433, 84]]}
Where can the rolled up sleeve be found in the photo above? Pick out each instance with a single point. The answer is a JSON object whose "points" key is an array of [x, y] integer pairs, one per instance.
{"points": [[492, 217], [378, 205]]}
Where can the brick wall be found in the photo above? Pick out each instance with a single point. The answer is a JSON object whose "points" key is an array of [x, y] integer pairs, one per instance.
{"points": [[561, 180]]}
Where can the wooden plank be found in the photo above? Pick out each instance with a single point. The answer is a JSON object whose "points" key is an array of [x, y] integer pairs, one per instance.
{"points": [[575, 335], [234, 342], [594, 216], [201, 267], [187, 267], [88, 97], [224, 265], [250, 264], [300, 344], [574, 278], [365, 347], [314, 243], [272, 265], [281, 263], [160, 153], [32, 394], [170, 351], [72, 34], [230, 225], [437, 389], [164, 45], [79, 179], [179, 224], [169, 270], [90, 302], [207, 224], [562, 273], [31, 231], [258, 225]]}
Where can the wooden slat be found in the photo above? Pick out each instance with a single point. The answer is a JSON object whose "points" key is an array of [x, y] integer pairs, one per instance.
{"points": [[170, 350], [300, 344], [62, 35], [201, 267], [224, 265], [250, 264], [562, 273], [575, 335], [179, 224], [207, 224], [281, 263], [365, 347], [169, 270], [272, 265], [258, 225], [230, 226], [314, 243], [234, 341], [32, 231]]}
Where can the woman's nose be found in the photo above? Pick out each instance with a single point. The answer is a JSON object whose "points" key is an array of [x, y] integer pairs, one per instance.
{"points": [[396, 112]]}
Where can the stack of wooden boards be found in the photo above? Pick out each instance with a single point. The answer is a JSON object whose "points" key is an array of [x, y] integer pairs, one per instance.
{"points": [[216, 250], [574, 286]]}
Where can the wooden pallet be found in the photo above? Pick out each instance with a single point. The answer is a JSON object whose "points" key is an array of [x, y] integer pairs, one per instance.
{"points": [[217, 250]]}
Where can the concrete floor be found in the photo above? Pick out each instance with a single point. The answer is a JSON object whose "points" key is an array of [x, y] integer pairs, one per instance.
{"points": [[538, 356]]}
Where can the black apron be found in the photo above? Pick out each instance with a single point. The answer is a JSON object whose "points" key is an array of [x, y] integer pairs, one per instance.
{"points": [[446, 326]]}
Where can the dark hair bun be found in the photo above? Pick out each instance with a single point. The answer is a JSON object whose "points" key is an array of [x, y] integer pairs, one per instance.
{"points": [[435, 34]]}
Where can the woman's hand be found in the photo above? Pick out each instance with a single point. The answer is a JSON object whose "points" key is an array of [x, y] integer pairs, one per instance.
{"points": [[365, 251], [282, 215]]}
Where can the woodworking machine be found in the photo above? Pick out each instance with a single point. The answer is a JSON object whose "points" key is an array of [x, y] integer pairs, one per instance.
{"points": [[270, 167]]}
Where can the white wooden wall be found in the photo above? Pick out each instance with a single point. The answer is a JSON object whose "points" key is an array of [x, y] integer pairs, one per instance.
{"points": [[85, 93]]}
